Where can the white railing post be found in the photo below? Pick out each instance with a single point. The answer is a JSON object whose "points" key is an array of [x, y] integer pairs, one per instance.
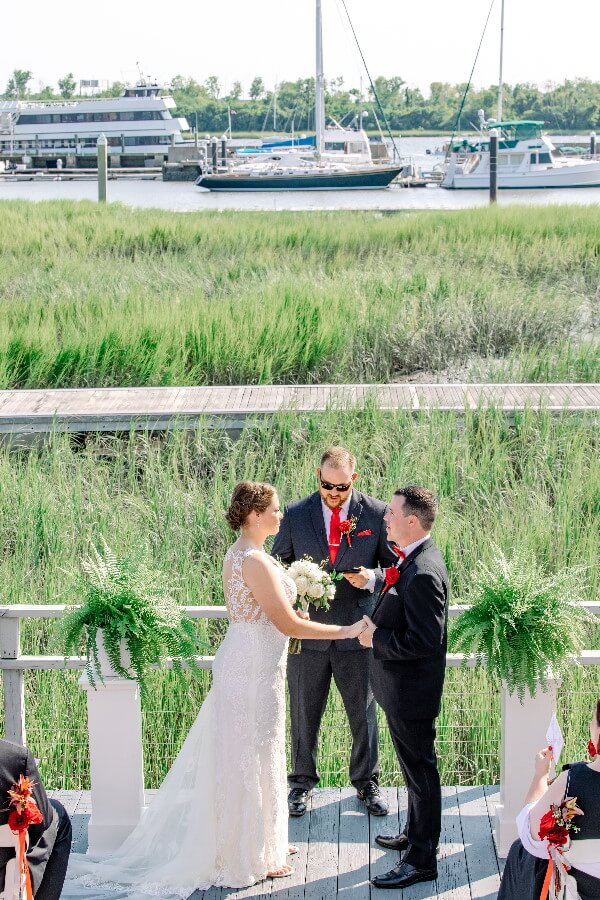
{"points": [[116, 761], [524, 727], [13, 681]]}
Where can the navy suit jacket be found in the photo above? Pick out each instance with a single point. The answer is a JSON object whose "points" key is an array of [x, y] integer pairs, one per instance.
{"points": [[302, 533]]}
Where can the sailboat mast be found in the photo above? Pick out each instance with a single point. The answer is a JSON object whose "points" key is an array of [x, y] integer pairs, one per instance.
{"points": [[500, 78], [319, 92]]}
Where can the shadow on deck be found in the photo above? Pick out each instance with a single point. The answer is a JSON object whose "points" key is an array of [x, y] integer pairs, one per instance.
{"points": [[338, 853]]}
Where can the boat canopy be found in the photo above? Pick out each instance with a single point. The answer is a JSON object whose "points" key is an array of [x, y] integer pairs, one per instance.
{"points": [[520, 131]]}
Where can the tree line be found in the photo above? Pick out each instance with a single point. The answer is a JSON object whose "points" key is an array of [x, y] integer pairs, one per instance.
{"points": [[573, 105]]}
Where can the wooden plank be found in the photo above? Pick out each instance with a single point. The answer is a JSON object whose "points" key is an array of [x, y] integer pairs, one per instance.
{"points": [[353, 857], [321, 869], [293, 887], [383, 860], [80, 821], [480, 852], [453, 875], [492, 798]]}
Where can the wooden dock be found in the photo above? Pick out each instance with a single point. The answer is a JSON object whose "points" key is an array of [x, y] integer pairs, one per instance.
{"points": [[159, 408], [338, 853]]}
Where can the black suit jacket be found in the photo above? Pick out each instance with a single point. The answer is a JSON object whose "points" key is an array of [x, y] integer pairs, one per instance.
{"points": [[14, 761], [302, 533], [409, 645]]}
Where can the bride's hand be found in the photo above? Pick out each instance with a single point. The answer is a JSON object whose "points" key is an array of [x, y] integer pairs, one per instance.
{"points": [[303, 614], [356, 629]]}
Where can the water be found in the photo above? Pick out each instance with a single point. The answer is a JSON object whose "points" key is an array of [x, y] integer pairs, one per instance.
{"points": [[186, 197]]}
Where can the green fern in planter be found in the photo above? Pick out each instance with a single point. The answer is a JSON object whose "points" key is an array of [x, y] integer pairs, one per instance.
{"points": [[522, 623], [130, 602]]}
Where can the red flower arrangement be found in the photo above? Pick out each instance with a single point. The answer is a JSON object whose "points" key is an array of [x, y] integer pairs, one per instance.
{"points": [[391, 577], [347, 526], [557, 822], [24, 812], [555, 826]]}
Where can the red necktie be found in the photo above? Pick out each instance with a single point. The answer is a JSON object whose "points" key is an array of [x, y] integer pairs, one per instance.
{"points": [[399, 553], [335, 534]]}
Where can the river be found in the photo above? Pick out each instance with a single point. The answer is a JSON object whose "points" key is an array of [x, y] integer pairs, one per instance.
{"points": [[186, 197]]}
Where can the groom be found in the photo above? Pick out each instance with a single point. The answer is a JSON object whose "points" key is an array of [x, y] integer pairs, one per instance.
{"points": [[317, 527], [408, 633]]}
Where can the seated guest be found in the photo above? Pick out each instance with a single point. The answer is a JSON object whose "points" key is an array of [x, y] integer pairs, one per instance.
{"points": [[533, 861], [49, 840]]}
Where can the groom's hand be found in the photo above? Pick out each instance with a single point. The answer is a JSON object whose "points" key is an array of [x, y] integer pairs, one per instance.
{"points": [[366, 638], [358, 579]]}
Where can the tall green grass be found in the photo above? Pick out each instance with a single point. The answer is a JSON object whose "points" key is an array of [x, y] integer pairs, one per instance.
{"points": [[95, 296], [535, 482]]}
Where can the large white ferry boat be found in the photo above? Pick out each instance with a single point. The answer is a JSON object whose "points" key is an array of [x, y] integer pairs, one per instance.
{"points": [[138, 125]]}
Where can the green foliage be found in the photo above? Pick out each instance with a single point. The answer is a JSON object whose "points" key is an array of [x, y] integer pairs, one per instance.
{"points": [[523, 624], [95, 297], [127, 601]]}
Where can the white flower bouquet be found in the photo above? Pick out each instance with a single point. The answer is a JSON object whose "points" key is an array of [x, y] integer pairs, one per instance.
{"points": [[314, 585]]}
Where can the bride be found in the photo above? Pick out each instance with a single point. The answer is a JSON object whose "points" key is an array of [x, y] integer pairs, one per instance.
{"points": [[220, 816]]}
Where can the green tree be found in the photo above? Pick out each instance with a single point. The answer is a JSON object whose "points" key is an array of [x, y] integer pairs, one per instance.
{"points": [[236, 91], [213, 86], [18, 84], [257, 88], [67, 86]]}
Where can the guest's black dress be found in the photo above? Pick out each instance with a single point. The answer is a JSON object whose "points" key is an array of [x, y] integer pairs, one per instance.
{"points": [[524, 874]]}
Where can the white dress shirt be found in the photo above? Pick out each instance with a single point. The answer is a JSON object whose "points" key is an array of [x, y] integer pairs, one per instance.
{"points": [[327, 513]]}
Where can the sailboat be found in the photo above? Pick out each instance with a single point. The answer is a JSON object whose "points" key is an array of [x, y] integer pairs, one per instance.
{"points": [[527, 158], [318, 169]]}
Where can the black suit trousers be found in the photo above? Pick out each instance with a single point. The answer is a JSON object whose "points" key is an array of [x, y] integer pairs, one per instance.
{"points": [[309, 679], [414, 743]]}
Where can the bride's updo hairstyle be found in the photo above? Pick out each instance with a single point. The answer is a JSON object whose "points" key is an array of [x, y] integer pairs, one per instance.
{"points": [[247, 497]]}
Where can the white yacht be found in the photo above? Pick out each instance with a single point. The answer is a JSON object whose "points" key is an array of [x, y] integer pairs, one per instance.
{"points": [[138, 125], [527, 158]]}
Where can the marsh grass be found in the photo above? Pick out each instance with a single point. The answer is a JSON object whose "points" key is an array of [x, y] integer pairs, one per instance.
{"points": [[93, 296], [533, 483]]}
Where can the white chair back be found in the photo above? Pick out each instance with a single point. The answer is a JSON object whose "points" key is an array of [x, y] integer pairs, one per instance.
{"points": [[14, 884]]}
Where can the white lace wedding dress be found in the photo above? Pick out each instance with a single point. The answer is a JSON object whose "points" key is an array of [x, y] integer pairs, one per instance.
{"points": [[220, 816]]}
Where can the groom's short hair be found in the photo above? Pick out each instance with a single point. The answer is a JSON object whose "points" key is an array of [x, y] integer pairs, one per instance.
{"points": [[419, 502], [337, 457]]}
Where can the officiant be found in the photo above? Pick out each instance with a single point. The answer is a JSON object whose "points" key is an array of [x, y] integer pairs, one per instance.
{"points": [[344, 527]]}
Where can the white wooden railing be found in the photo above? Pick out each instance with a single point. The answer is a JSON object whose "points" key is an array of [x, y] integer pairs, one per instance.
{"points": [[114, 709]]}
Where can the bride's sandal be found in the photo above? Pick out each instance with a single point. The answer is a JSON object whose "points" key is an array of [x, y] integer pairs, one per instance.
{"points": [[292, 850], [283, 872]]}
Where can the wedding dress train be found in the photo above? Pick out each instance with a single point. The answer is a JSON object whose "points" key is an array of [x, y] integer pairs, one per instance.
{"points": [[220, 816]]}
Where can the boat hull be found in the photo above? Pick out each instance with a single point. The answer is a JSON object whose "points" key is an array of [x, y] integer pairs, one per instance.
{"points": [[563, 177], [364, 179]]}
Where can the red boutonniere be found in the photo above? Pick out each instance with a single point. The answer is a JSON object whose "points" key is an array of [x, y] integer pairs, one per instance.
{"points": [[365, 533], [24, 812], [347, 526], [391, 577]]}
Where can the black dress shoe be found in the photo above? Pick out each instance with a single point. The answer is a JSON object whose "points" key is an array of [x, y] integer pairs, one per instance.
{"points": [[396, 842], [392, 841], [297, 798], [403, 875], [372, 799]]}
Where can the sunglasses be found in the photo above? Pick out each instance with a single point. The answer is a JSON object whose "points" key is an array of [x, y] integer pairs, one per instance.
{"points": [[327, 486]]}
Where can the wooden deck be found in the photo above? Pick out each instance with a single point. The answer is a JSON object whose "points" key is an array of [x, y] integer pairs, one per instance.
{"points": [[114, 409], [338, 853]]}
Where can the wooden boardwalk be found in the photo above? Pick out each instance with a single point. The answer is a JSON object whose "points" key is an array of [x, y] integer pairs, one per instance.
{"points": [[115, 409], [338, 853]]}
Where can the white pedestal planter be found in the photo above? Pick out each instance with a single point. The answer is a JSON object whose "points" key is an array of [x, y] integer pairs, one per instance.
{"points": [[106, 669], [524, 727], [116, 758]]}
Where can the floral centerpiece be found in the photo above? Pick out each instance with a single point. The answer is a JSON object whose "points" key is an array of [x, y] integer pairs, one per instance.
{"points": [[130, 607], [314, 585]]}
